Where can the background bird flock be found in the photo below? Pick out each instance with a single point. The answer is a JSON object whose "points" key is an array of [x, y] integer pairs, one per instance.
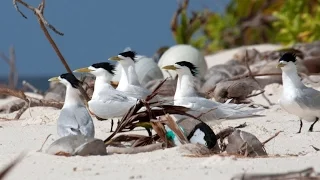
{"points": [[235, 80]]}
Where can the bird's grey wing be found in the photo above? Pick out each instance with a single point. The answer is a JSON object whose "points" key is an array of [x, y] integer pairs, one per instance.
{"points": [[84, 120], [67, 123], [138, 92], [309, 98], [111, 104]]}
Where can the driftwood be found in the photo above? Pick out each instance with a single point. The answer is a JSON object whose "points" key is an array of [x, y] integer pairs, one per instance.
{"points": [[305, 174], [44, 24], [13, 73], [29, 101], [135, 150], [28, 85]]}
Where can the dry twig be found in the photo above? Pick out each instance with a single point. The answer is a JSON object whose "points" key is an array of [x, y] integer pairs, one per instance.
{"points": [[7, 169], [250, 75], [272, 137], [305, 174], [43, 24], [13, 73]]}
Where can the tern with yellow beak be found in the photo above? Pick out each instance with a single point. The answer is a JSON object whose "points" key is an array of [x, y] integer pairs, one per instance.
{"points": [[187, 96], [297, 98], [129, 82], [74, 118], [106, 102]]}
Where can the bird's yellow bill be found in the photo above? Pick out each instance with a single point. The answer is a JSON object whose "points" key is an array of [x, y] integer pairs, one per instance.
{"points": [[54, 79], [83, 70], [170, 67], [115, 58], [280, 65]]}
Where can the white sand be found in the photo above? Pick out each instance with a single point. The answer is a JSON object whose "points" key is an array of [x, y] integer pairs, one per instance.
{"points": [[36, 123]]}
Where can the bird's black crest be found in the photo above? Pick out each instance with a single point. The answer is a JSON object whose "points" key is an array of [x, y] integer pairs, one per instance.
{"points": [[209, 136], [288, 56], [130, 54], [71, 79], [192, 67], [105, 65]]}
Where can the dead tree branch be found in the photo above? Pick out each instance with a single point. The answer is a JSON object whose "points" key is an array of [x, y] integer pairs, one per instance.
{"points": [[135, 150], [11, 61], [308, 173], [251, 76], [29, 101], [43, 24]]}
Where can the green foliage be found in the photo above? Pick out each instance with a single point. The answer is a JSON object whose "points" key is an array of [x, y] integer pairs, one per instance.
{"points": [[248, 22], [298, 21], [185, 30]]}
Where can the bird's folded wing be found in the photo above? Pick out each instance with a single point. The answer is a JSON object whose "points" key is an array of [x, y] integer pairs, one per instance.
{"points": [[67, 122], [109, 95], [309, 98], [198, 103], [84, 120]]}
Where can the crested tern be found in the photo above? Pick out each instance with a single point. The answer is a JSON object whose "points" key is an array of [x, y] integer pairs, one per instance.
{"points": [[106, 102], [129, 82], [187, 96], [74, 118], [297, 98]]}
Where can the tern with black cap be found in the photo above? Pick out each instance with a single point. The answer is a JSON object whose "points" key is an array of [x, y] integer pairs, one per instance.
{"points": [[297, 99], [74, 118], [187, 96], [106, 102], [129, 81]]}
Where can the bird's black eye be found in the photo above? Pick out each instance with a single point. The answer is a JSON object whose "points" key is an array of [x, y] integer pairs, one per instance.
{"points": [[130, 54]]}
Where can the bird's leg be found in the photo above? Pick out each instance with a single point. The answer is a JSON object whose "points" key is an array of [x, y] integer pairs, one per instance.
{"points": [[111, 125], [301, 124], [311, 127], [149, 132]]}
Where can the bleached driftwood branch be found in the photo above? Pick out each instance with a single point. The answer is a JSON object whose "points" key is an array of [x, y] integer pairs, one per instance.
{"points": [[134, 150], [29, 101], [11, 61]]}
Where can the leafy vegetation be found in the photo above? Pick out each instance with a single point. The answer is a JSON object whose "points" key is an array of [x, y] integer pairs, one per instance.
{"points": [[246, 22]]}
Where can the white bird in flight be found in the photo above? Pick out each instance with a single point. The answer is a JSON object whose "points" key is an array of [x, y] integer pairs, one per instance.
{"points": [[129, 82], [74, 118], [187, 96], [297, 98], [107, 102]]}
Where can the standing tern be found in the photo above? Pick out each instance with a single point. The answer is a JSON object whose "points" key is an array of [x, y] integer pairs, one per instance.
{"points": [[297, 98], [106, 102], [74, 118], [129, 82], [187, 96]]}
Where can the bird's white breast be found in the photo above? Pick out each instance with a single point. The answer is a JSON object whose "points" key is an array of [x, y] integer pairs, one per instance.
{"points": [[288, 103]]}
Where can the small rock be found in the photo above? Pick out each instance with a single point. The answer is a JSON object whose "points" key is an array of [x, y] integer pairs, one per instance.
{"points": [[77, 145]]}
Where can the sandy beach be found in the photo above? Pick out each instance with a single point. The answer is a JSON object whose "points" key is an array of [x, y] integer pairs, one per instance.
{"points": [[288, 151]]}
